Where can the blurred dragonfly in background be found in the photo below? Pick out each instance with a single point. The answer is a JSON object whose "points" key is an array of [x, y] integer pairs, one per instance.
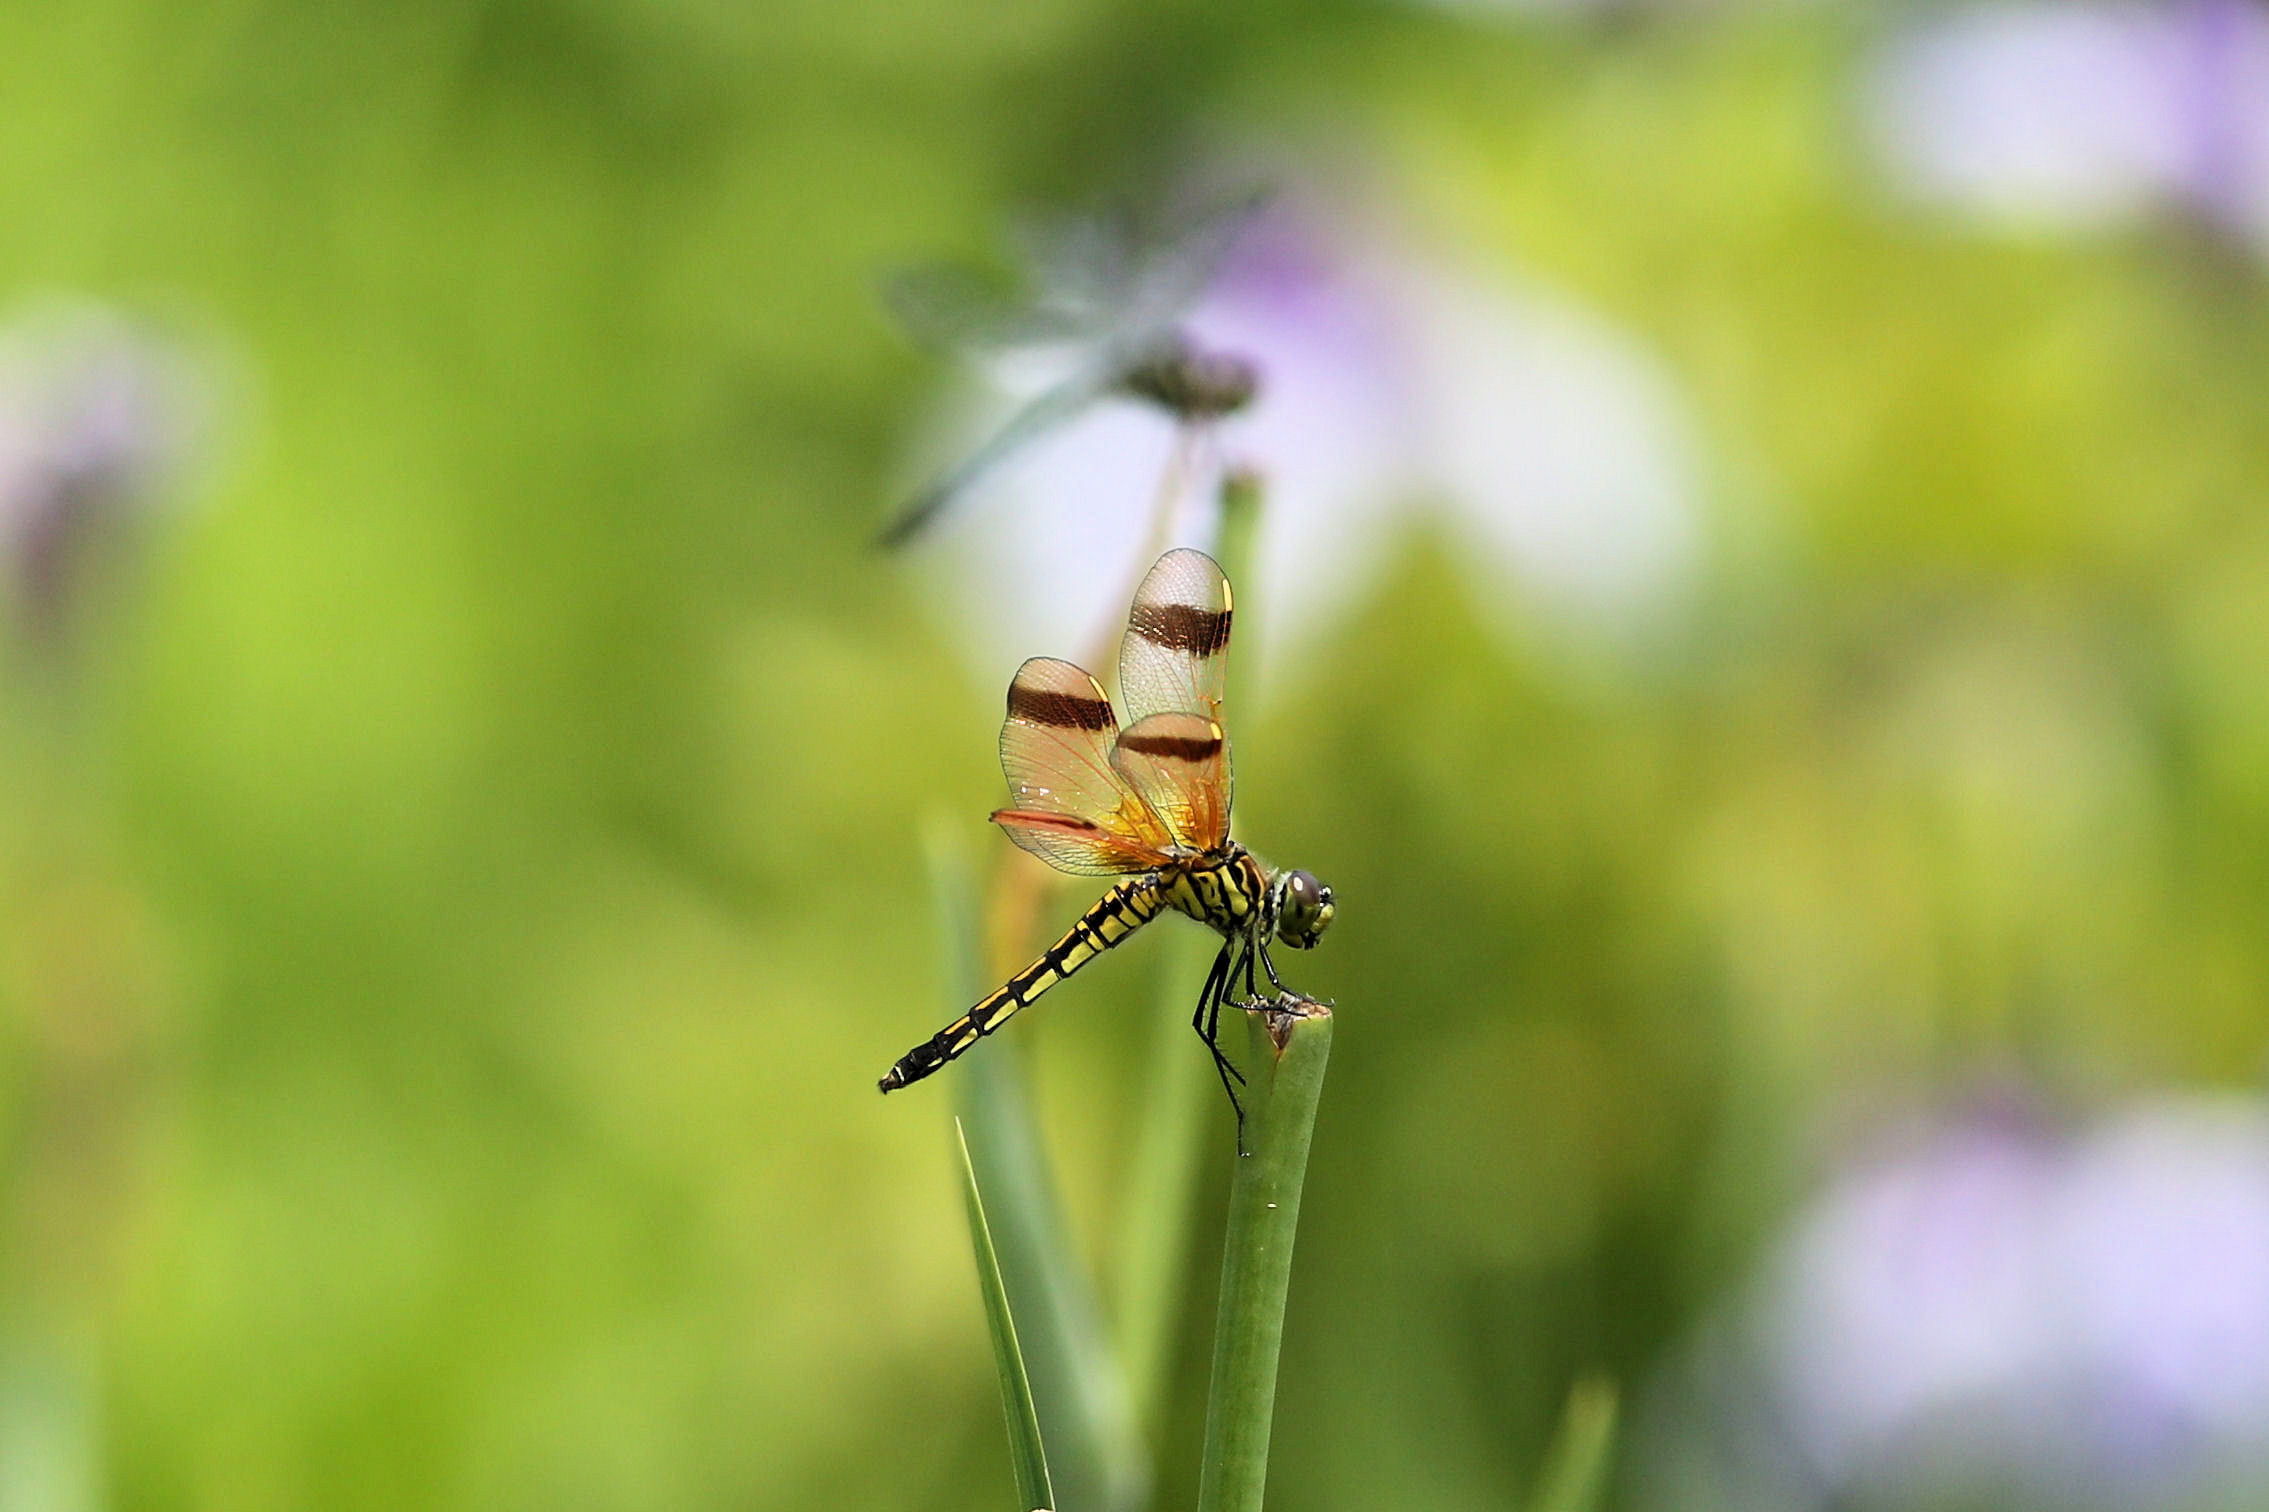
{"points": [[1109, 291]]}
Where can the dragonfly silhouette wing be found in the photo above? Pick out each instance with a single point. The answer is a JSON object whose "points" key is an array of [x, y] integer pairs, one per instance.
{"points": [[958, 311], [1180, 254], [1087, 258], [1137, 268], [1043, 413], [1175, 658], [1179, 763], [1069, 804]]}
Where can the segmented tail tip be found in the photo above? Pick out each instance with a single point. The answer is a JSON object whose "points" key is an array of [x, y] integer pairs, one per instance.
{"points": [[892, 1082]]}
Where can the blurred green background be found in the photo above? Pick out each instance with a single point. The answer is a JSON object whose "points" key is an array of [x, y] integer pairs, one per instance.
{"points": [[450, 927]]}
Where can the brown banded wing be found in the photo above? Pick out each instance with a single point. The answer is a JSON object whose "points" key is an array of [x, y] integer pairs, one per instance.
{"points": [[1175, 657], [1070, 804], [1179, 763]]}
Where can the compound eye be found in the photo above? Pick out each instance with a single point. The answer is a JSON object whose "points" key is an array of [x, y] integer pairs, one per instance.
{"points": [[1307, 910]]}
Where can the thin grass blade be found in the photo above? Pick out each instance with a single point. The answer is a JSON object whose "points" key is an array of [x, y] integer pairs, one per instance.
{"points": [[1027, 1455], [1096, 1457]]}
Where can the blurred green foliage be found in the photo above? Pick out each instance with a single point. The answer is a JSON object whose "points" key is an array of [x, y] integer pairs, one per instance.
{"points": [[446, 953]]}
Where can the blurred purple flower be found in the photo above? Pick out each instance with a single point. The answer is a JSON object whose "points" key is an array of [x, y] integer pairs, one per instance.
{"points": [[93, 415], [2071, 1320], [1553, 450], [2085, 114]]}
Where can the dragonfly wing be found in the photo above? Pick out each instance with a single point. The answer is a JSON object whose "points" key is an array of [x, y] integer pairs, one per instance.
{"points": [[1138, 269], [1079, 847], [1175, 657], [1179, 763], [957, 311], [1043, 413], [1086, 259], [1181, 254], [1070, 806]]}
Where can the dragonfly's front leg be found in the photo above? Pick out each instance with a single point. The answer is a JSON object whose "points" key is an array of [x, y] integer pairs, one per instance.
{"points": [[1255, 946], [1207, 1022], [1268, 966]]}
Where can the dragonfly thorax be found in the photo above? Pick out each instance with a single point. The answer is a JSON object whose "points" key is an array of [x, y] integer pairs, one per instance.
{"points": [[1231, 892], [1225, 890]]}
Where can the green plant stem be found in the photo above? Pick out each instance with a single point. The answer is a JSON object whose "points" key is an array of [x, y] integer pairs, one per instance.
{"points": [[1575, 1470], [1155, 1219], [1291, 1045], [1027, 1456], [1243, 492]]}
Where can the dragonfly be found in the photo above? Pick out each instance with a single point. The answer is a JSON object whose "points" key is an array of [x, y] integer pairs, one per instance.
{"points": [[1147, 803], [1113, 291]]}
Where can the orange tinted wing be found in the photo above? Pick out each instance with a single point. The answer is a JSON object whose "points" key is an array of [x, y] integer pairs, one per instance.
{"points": [[1079, 846], [1068, 804], [1175, 657], [1179, 763]]}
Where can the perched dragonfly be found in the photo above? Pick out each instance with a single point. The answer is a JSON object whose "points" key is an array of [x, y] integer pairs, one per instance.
{"points": [[1149, 803], [1112, 293]]}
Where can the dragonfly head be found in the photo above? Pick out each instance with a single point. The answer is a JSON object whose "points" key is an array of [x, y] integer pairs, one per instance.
{"points": [[1303, 908]]}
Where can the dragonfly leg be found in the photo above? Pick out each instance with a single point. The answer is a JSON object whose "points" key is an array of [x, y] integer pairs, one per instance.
{"points": [[1207, 1022], [1258, 948], [1209, 1008], [1269, 966]]}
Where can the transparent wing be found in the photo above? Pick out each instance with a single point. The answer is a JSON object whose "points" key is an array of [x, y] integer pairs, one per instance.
{"points": [[958, 311], [1175, 657], [1137, 268], [1179, 764], [1045, 412], [1068, 804], [1178, 254], [1086, 258]]}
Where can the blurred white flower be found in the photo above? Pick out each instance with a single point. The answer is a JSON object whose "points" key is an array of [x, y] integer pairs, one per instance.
{"points": [[2074, 115], [2068, 1320], [1553, 450], [1605, 9], [93, 415]]}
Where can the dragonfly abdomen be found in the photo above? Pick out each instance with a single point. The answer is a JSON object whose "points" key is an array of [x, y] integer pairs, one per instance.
{"points": [[1110, 919]]}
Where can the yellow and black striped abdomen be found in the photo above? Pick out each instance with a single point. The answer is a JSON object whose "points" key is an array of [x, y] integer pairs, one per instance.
{"points": [[1114, 916]]}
